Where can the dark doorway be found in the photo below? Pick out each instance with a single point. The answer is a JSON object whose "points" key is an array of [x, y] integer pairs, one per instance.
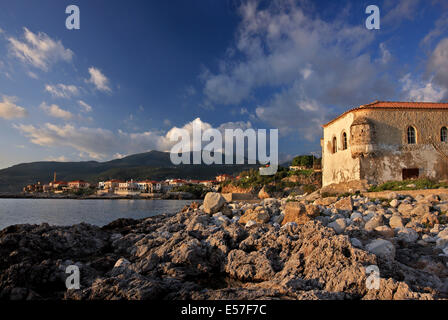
{"points": [[410, 173]]}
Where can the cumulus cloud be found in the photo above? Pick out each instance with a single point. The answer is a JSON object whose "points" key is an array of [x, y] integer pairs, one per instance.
{"points": [[403, 10], [102, 144], [62, 90], [415, 90], [438, 64], [310, 64], [9, 110], [39, 50], [55, 111], [433, 85], [99, 80], [85, 107]]}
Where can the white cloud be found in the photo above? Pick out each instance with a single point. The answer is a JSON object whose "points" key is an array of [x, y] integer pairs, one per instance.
{"points": [[421, 91], [85, 107], [99, 80], [102, 144], [385, 53], [310, 63], [9, 110], [32, 75], [55, 111], [62, 90], [438, 64], [403, 10], [39, 50], [433, 86], [58, 159], [441, 27]]}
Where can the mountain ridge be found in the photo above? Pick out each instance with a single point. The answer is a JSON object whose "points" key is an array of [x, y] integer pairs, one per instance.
{"points": [[148, 165]]}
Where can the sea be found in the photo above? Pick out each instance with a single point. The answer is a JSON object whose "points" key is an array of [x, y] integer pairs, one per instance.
{"points": [[66, 212]]}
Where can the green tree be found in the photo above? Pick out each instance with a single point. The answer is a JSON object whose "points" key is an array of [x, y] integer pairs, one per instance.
{"points": [[303, 160]]}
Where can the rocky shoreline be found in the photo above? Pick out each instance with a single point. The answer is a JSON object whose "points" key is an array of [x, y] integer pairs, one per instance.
{"points": [[303, 247]]}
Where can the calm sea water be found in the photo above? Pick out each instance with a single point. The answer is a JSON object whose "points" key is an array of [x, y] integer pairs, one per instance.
{"points": [[65, 212]]}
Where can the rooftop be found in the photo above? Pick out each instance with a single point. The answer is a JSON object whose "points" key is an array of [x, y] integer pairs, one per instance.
{"points": [[394, 105]]}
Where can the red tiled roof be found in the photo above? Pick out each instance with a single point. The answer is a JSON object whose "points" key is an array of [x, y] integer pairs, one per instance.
{"points": [[395, 105], [59, 182]]}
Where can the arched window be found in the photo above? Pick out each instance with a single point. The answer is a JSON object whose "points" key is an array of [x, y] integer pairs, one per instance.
{"points": [[335, 145], [411, 135], [444, 134], [344, 141]]}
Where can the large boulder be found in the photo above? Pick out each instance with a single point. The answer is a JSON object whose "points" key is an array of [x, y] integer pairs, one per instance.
{"points": [[325, 201], [407, 235], [345, 204], [405, 209], [376, 221], [382, 248], [295, 212], [338, 226], [213, 202], [396, 222], [259, 215]]}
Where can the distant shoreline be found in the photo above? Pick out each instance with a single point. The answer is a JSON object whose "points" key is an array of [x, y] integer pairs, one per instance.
{"points": [[73, 197]]}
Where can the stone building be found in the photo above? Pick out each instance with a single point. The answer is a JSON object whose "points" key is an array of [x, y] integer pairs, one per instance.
{"points": [[384, 141]]}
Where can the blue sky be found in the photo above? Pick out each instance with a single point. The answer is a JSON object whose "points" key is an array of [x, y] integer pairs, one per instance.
{"points": [[137, 70]]}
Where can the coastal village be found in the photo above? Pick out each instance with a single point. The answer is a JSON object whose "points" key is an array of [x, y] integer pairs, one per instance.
{"points": [[121, 188], [381, 203]]}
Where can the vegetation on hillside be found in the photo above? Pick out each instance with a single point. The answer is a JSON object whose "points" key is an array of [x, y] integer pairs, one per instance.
{"points": [[198, 190], [275, 183], [409, 185]]}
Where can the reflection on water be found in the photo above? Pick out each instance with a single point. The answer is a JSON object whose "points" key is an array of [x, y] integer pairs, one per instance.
{"points": [[69, 212]]}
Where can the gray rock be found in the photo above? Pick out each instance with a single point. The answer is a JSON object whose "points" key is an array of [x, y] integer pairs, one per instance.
{"points": [[338, 226], [356, 242], [213, 202], [376, 221], [382, 248], [407, 235], [355, 215]]}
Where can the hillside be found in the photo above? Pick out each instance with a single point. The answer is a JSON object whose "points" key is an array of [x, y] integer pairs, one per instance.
{"points": [[150, 165]]}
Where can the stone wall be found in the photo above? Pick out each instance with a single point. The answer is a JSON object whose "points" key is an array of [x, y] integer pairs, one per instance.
{"points": [[340, 166], [378, 150]]}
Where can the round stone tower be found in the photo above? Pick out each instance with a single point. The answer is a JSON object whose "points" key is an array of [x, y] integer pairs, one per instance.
{"points": [[362, 134]]}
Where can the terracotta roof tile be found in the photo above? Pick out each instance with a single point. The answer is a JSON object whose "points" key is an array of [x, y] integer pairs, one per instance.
{"points": [[394, 105]]}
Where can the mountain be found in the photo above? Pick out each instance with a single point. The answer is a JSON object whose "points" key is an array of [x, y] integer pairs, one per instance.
{"points": [[154, 165]]}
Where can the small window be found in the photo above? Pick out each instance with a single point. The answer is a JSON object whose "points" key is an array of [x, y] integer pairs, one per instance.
{"points": [[411, 135], [344, 141], [335, 146], [444, 134]]}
